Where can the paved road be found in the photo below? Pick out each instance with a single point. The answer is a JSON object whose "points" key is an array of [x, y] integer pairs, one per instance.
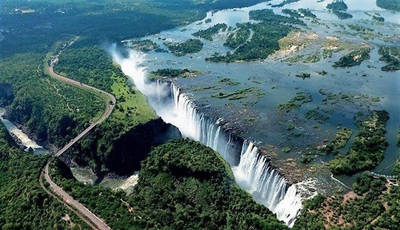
{"points": [[91, 219], [109, 107]]}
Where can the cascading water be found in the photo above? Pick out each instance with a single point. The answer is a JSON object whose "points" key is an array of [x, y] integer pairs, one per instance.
{"points": [[252, 170]]}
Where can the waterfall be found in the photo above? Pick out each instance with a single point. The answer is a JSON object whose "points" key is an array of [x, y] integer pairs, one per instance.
{"points": [[268, 187], [252, 170]]}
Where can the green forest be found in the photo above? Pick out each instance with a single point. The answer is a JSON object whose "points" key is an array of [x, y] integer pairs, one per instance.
{"points": [[373, 204], [368, 147], [182, 185], [23, 203], [264, 40]]}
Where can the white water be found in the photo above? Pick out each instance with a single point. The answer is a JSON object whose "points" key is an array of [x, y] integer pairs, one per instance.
{"points": [[21, 136], [252, 170]]}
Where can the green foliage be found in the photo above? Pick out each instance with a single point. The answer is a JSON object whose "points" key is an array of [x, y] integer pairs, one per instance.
{"points": [[374, 205], [189, 46], [342, 15], [210, 32], [390, 55], [341, 138], [368, 147], [268, 16], [337, 5], [264, 40], [51, 110], [284, 2], [238, 37], [296, 102], [307, 13], [240, 93], [396, 169], [292, 13], [182, 185], [143, 45], [172, 73], [367, 183], [389, 4], [23, 203], [308, 220], [354, 58], [6, 94]]}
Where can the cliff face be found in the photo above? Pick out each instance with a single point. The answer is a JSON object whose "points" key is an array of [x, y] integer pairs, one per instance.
{"points": [[129, 150], [6, 94], [106, 153]]}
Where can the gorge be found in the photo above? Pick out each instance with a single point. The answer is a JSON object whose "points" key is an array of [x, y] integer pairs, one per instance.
{"points": [[253, 171]]}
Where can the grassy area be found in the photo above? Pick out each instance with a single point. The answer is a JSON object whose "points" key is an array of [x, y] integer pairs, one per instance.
{"points": [[131, 108]]}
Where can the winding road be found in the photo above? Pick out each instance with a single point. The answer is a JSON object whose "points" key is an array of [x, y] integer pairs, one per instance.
{"points": [[84, 213]]}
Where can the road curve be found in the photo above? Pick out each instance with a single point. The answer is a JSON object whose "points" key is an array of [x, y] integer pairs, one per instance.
{"points": [[90, 218]]}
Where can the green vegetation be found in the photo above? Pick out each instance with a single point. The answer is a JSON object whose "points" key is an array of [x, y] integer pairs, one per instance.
{"points": [[228, 81], [389, 4], [307, 13], [268, 15], [41, 103], [238, 36], [292, 13], [390, 55], [378, 18], [23, 203], [210, 32], [341, 138], [143, 45], [303, 75], [6, 94], [337, 5], [368, 147], [342, 15], [354, 58], [398, 138], [284, 2], [396, 168], [264, 40], [172, 73], [187, 47], [240, 93], [93, 66], [296, 102], [316, 115], [131, 110], [51, 110], [182, 185], [374, 204]]}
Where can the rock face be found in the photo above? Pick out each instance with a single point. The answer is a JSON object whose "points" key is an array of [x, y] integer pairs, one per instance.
{"points": [[129, 150]]}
